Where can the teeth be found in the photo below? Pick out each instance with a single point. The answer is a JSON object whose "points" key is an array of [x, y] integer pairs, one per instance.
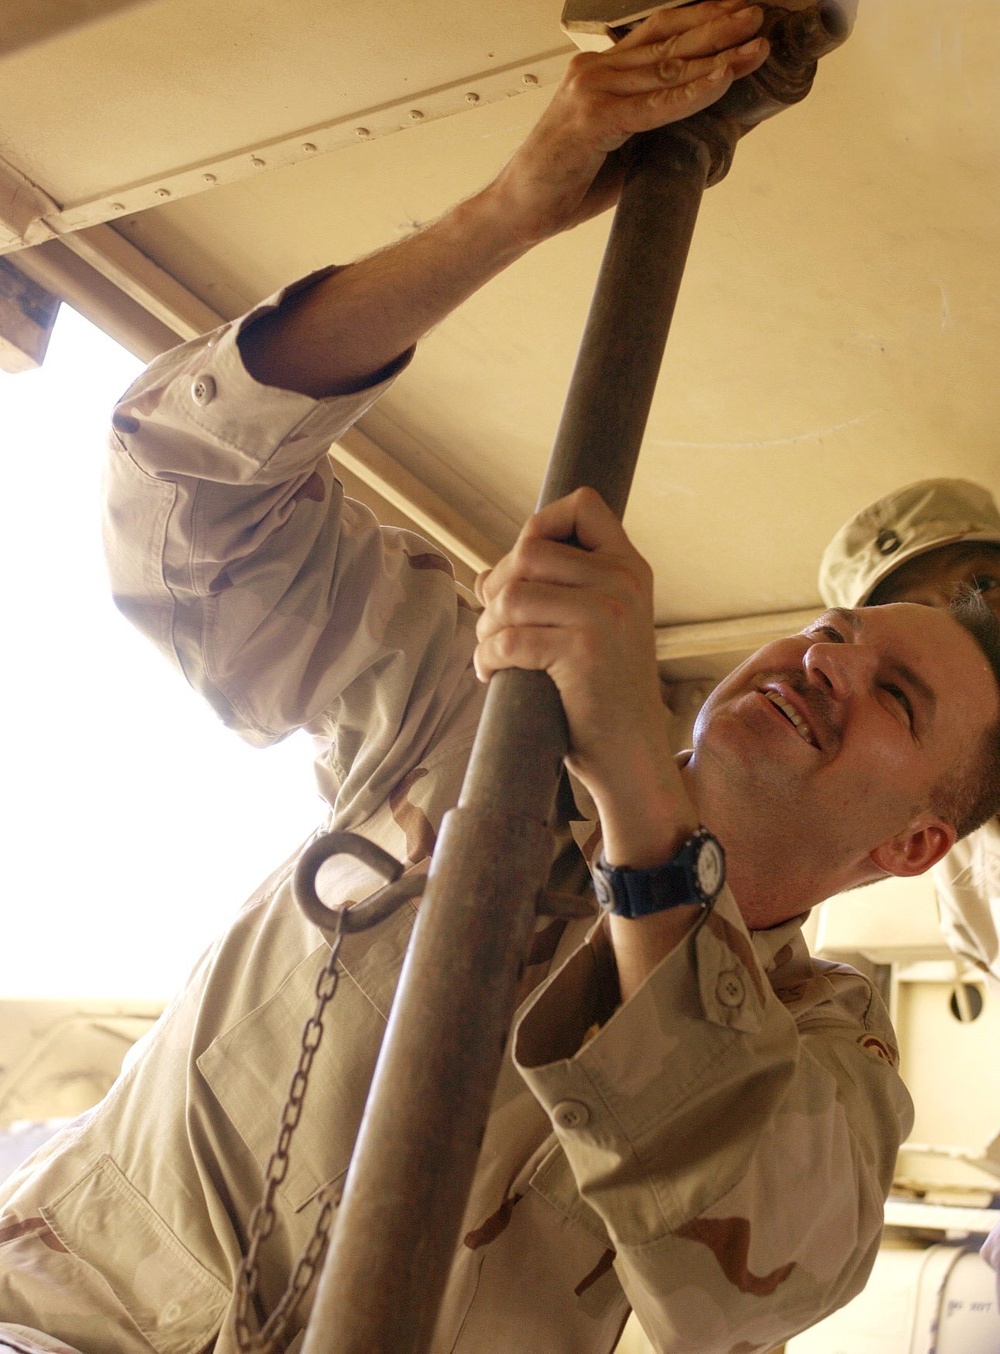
{"points": [[791, 714]]}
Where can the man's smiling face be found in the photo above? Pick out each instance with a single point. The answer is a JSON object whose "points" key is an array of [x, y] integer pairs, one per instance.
{"points": [[836, 738]]}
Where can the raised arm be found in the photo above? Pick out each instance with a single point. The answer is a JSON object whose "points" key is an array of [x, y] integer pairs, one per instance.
{"points": [[341, 334], [227, 542]]}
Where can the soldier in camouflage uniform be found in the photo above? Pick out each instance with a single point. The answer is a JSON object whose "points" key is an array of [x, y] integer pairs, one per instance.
{"points": [[923, 543], [695, 1119]]}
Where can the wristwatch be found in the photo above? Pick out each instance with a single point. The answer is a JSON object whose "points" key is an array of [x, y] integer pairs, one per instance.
{"points": [[696, 874]]}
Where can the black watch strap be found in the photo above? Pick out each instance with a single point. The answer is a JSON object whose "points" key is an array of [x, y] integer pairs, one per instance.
{"points": [[696, 874]]}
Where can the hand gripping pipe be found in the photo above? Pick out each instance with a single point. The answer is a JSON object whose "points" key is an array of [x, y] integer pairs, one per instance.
{"points": [[409, 1181]]}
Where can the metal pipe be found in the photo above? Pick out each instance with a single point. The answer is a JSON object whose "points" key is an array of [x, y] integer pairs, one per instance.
{"points": [[419, 1140], [409, 1180], [619, 360]]}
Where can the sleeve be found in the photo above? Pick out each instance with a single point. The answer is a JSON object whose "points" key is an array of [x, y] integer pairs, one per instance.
{"points": [[737, 1154], [231, 545], [991, 1254], [967, 885]]}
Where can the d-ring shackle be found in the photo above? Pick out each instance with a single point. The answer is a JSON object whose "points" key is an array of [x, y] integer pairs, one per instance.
{"points": [[369, 911]]}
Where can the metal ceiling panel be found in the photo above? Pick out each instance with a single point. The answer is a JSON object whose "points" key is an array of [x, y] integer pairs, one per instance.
{"points": [[835, 331], [180, 84]]}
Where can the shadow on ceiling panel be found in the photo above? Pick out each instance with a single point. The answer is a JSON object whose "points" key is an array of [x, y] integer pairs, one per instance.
{"points": [[22, 25]]}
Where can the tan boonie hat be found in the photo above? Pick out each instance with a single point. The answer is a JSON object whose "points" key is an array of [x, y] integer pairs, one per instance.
{"points": [[911, 521]]}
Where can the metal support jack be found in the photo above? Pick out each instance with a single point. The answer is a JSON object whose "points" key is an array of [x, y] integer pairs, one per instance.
{"points": [[406, 1190]]}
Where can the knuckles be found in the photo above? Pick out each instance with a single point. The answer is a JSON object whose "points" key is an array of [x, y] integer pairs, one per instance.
{"points": [[504, 608], [528, 555], [584, 87], [671, 70], [508, 602], [580, 67], [582, 75], [505, 647]]}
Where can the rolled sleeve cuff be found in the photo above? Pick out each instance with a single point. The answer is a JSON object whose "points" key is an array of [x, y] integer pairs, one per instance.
{"points": [[203, 388], [713, 975], [691, 1033]]}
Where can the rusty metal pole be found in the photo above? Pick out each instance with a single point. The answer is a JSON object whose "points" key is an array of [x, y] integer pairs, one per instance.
{"points": [[419, 1140], [410, 1177]]}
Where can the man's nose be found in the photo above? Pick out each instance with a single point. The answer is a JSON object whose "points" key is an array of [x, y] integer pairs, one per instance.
{"points": [[840, 669]]}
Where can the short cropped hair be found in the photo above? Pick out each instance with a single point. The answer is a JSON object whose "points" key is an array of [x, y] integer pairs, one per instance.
{"points": [[969, 796]]}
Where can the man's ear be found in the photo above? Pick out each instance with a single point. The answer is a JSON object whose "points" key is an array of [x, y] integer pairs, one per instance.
{"points": [[922, 844]]}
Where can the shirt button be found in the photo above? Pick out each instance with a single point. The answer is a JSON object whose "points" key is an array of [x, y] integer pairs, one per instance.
{"points": [[729, 989], [171, 1313], [203, 390], [571, 1114]]}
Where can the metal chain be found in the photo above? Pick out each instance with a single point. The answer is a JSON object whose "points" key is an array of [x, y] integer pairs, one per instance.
{"points": [[262, 1219]]}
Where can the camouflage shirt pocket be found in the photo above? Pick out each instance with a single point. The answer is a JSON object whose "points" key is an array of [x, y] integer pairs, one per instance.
{"points": [[248, 1069], [104, 1221]]}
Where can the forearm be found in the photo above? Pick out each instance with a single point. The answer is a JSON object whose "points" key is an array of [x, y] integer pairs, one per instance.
{"points": [[584, 614], [641, 943], [341, 334], [642, 826]]}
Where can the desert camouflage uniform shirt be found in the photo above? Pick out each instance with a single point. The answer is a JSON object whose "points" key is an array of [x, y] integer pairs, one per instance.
{"points": [[967, 884], [715, 1156]]}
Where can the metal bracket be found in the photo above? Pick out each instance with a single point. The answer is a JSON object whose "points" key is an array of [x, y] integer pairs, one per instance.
{"points": [[369, 911], [378, 906]]}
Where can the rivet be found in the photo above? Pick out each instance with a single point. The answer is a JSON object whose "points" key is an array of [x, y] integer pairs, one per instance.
{"points": [[362, 132], [415, 115], [210, 178], [471, 98], [308, 146], [118, 206], [529, 79], [163, 192], [257, 162]]}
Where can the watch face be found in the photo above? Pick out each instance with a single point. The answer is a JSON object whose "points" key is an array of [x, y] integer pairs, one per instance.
{"points": [[710, 870]]}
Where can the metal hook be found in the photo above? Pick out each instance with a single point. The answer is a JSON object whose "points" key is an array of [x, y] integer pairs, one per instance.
{"points": [[369, 911]]}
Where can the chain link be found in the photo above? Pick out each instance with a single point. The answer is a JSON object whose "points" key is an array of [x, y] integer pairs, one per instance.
{"points": [[262, 1220]]}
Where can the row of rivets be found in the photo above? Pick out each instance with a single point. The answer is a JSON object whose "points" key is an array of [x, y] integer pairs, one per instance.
{"points": [[363, 133]]}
